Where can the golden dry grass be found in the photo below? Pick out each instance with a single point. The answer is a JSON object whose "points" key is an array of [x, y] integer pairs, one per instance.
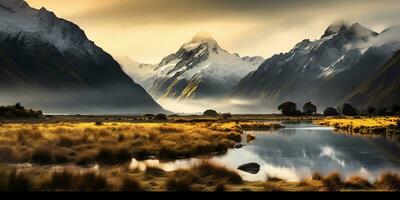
{"points": [[112, 143], [205, 177], [362, 125]]}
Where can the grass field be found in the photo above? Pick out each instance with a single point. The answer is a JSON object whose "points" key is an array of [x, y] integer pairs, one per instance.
{"points": [[88, 154], [205, 177], [363, 125]]}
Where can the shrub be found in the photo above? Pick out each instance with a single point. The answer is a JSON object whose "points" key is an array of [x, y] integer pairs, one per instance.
{"points": [[331, 112], [18, 112], [210, 113]]}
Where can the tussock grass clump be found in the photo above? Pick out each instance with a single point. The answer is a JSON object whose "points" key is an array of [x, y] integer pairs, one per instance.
{"points": [[182, 181], [358, 183], [389, 181], [59, 181], [131, 185], [18, 182], [154, 172], [107, 155], [7, 155], [211, 171], [333, 182], [317, 177], [68, 181], [210, 175]]}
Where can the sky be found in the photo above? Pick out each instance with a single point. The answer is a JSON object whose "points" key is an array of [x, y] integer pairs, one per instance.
{"points": [[148, 30]]}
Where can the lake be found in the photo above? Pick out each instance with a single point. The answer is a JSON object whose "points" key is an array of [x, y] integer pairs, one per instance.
{"points": [[298, 150]]}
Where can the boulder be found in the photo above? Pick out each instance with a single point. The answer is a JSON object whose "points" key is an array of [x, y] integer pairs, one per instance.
{"points": [[252, 168]]}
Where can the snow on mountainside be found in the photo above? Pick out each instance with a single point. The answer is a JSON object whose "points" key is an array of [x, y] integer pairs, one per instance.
{"points": [[144, 74], [16, 17], [200, 69], [324, 71], [48, 63]]}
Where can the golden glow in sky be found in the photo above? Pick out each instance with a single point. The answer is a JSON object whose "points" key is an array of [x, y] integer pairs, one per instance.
{"points": [[148, 30]]}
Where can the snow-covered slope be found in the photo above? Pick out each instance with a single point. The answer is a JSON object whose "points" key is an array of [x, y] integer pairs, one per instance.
{"points": [[48, 63], [201, 69], [144, 74], [324, 71]]}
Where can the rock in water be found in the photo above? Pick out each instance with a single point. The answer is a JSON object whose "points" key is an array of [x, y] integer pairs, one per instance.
{"points": [[252, 168]]}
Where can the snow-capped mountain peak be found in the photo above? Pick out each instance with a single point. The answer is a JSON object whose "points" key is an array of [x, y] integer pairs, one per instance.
{"points": [[18, 18], [336, 27], [201, 68]]}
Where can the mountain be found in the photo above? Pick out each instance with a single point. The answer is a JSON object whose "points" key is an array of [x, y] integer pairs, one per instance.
{"points": [[382, 89], [48, 63], [200, 69], [324, 71], [143, 74]]}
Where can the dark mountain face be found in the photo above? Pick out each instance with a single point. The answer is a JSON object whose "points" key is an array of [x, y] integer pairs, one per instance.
{"points": [[324, 71], [48, 63], [382, 89]]}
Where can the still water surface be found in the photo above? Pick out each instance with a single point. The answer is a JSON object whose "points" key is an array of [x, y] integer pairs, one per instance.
{"points": [[298, 150]]}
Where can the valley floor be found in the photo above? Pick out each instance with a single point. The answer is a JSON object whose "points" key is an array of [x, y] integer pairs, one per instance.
{"points": [[86, 153]]}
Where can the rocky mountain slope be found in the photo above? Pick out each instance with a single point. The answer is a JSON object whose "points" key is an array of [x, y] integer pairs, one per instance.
{"points": [[382, 89], [324, 71]]}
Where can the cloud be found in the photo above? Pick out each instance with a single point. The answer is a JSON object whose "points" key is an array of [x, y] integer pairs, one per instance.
{"points": [[148, 30]]}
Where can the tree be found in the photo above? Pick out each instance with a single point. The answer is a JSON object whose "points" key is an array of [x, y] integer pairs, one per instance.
{"points": [[289, 109], [211, 113], [331, 112], [348, 110], [19, 106], [371, 110], [309, 109]]}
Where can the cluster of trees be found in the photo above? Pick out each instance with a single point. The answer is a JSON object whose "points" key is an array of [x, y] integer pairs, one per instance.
{"points": [[18, 111], [290, 109]]}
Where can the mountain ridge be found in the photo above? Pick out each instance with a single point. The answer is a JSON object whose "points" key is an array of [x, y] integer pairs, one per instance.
{"points": [[50, 64]]}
